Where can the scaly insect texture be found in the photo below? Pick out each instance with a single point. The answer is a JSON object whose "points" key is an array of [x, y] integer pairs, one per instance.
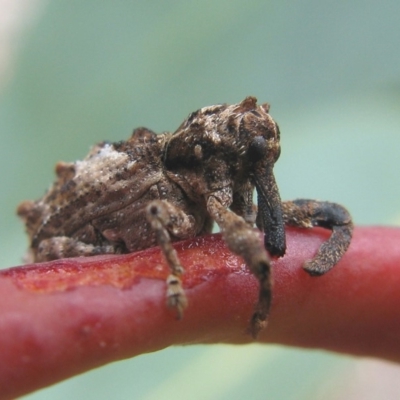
{"points": [[156, 189]]}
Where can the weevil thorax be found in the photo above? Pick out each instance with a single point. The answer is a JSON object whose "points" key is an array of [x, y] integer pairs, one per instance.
{"points": [[223, 145]]}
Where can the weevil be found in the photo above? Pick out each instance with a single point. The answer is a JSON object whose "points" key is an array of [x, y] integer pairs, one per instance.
{"points": [[157, 189]]}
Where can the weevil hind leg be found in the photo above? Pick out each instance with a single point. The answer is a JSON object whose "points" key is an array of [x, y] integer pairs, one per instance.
{"points": [[309, 213], [245, 242], [64, 247], [164, 218]]}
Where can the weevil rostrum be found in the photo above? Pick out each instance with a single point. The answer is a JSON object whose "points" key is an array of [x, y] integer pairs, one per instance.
{"points": [[156, 189]]}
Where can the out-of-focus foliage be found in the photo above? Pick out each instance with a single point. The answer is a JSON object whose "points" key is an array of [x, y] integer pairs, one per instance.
{"points": [[94, 70]]}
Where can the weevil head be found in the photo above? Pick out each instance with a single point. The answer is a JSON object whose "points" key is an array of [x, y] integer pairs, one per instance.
{"points": [[259, 145], [231, 146], [241, 137], [258, 136]]}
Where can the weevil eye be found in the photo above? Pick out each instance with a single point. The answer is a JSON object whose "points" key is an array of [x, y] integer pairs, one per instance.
{"points": [[257, 149]]}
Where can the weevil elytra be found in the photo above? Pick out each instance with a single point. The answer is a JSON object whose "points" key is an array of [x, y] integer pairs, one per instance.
{"points": [[151, 189]]}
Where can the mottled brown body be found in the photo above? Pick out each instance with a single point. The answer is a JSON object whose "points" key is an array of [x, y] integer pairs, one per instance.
{"points": [[151, 189]]}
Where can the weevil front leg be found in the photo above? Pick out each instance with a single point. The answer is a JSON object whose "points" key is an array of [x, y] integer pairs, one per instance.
{"points": [[308, 213], [164, 217], [245, 242]]}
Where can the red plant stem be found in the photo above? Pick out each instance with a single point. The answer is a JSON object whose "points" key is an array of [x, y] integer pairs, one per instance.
{"points": [[62, 318]]}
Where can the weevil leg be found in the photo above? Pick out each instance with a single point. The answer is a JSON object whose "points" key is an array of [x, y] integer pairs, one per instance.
{"points": [[242, 204], [309, 213], [63, 247], [245, 242], [165, 218]]}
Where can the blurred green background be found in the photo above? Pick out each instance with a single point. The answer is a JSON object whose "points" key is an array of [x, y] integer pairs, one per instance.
{"points": [[81, 72]]}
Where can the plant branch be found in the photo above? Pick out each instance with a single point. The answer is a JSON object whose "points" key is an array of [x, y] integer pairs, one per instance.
{"points": [[65, 317]]}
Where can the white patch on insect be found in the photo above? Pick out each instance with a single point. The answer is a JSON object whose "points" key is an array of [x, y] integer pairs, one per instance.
{"points": [[97, 166], [198, 152], [213, 136]]}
